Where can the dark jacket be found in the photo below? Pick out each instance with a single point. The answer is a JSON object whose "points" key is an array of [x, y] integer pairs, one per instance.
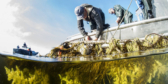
{"points": [[96, 19]]}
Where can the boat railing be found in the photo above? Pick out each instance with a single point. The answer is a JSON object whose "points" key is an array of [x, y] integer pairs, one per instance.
{"points": [[79, 36]]}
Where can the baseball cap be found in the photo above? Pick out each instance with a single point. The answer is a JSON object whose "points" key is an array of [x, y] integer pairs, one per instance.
{"points": [[79, 12]]}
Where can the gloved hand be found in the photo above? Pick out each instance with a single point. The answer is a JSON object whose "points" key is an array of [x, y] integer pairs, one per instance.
{"points": [[150, 14], [106, 26], [65, 45]]}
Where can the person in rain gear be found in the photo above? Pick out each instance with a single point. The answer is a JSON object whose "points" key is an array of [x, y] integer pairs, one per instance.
{"points": [[94, 16], [119, 11], [146, 7]]}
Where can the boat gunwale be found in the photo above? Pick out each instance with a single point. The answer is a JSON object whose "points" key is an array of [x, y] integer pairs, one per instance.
{"points": [[121, 27]]}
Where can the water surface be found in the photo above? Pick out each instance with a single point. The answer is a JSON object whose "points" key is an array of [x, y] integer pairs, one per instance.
{"points": [[149, 69]]}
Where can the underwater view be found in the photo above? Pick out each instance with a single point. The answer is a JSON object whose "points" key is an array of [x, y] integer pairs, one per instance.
{"points": [[149, 69], [122, 42]]}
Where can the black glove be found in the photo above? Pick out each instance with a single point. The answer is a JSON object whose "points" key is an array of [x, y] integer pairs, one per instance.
{"points": [[150, 14], [65, 45], [106, 26]]}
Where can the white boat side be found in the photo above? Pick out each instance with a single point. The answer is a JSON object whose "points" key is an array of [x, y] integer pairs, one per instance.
{"points": [[132, 30]]}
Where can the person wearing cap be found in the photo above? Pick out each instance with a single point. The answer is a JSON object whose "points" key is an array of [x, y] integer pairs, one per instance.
{"points": [[94, 16], [119, 11]]}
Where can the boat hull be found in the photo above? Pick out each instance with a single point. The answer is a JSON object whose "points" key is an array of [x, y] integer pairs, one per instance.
{"points": [[24, 52]]}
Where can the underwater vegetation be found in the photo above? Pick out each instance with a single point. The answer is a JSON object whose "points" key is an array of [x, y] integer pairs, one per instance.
{"points": [[151, 69], [25, 76], [151, 41], [144, 70]]}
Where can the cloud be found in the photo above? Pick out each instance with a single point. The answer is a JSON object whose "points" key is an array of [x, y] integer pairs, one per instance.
{"points": [[9, 34], [20, 22]]}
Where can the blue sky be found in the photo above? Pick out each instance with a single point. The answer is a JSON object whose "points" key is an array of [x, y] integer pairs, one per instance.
{"points": [[61, 12], [44, 24]]}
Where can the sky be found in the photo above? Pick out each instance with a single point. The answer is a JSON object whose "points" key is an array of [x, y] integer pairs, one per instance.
{"points": [[45, 24]]}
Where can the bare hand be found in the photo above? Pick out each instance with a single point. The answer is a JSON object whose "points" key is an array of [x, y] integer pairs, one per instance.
{"points": [[118, 20], [59, 52], [88, 38], [95, 39]]}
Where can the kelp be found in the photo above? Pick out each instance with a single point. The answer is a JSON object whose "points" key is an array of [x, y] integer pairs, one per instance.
{"points": [[71, 77], [115, 46], [144, 70], [24, 76]]}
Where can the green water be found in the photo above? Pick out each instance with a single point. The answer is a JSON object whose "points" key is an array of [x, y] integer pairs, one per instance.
{"points": [[142, 70]]}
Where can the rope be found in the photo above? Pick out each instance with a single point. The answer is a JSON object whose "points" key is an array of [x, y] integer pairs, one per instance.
{"points": [[122, 19], [106, 35]]}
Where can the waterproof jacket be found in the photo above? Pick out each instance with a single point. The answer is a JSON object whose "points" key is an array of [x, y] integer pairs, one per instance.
{"points": [[120, 11], [95, 18], [146, 6]]}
